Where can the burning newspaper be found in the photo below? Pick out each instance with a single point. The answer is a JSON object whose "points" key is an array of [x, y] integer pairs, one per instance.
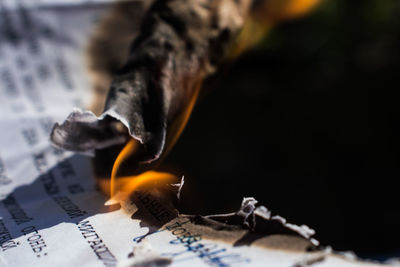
{"points": [[51, 212]]}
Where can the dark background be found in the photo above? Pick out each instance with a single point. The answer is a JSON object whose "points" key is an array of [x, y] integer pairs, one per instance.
{"points": [[307, 123]]}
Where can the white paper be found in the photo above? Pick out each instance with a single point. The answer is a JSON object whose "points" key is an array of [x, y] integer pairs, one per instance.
{"points": [[50, 212]]}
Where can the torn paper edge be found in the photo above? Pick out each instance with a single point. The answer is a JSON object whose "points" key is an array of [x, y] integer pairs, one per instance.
{"points": [[249, 211]]}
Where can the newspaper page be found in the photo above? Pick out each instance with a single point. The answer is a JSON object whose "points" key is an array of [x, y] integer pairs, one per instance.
{"points": [[50, 211]]}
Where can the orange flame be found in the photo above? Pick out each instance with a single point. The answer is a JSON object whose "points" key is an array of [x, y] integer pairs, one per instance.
{"points": [[265, 17], [179, 124], [286, 9], [127, 151], [147, 179], [129, 184]]}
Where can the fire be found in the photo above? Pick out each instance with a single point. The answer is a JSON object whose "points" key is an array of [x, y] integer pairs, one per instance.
{"points": [[265, 16], [128, 184], [268, 14], [286, 9], [127, 151], [179, 124], [148, 179]]}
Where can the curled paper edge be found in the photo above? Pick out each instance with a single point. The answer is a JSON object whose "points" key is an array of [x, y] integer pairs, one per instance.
{"points": [[84, 132]]}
